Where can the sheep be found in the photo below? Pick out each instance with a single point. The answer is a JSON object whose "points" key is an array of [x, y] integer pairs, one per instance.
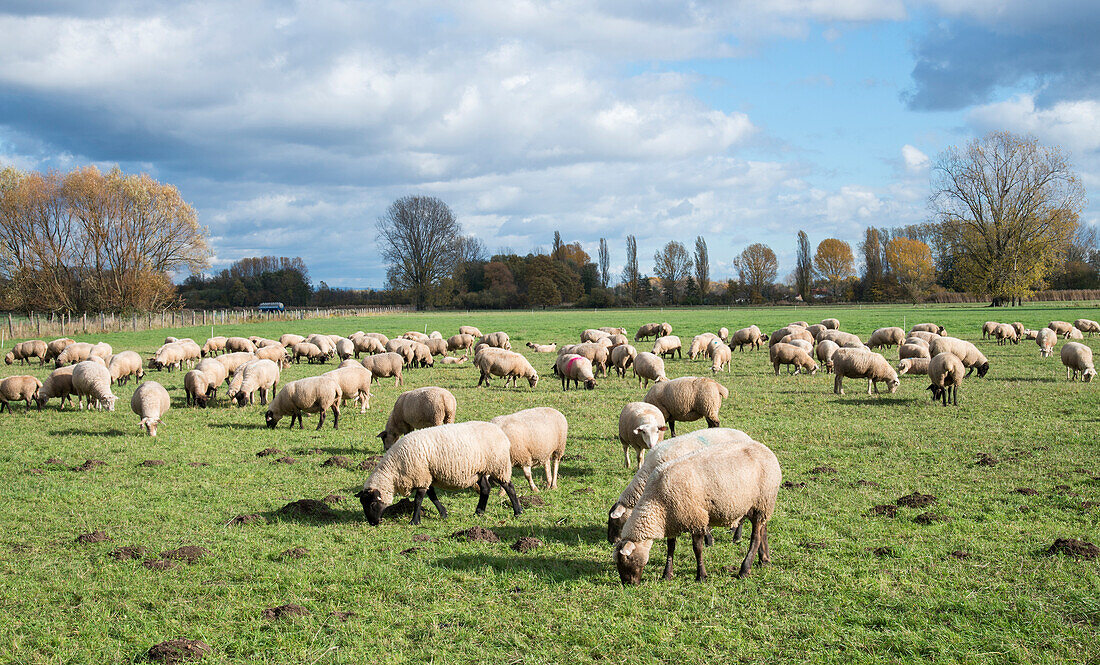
{"points": [[688, 398], [345, 348], [1006, 333], [924, 334], [862, 364], [385, 365], [453, 456], [788, 354], [617, 340], [461, 341], [831, 324], [669, 345], [102, 350], [641, 427], [276, 354], [1046, 339], [1078, 358], [646, 331], [24, 351], [1030, 334], [310, 351], [887, 337], [382, 339], [665, 330], [437, 346], [649, 367], [1074, 333], [508, 364], [913, 366], [843, 339], [58, 384], [195, 386], [1060, 328], [724, 334], [170, 340], [542, 348], [798, 336], [778, 335], [808, 347], [92, 382], [214, 345], [239, 344], [422, 354], [700, 345], [470, 330], [751, 337], [664, 452], [593, 335], [824, 351], [622, 357], [416, 336], [913, 351], [498, 339], [261, 374], [536, 436], [597, 353], [989, 328], [815, 330], [719, 485], [367, 344], [168, 356], [1087, 326], [451, 360], [720, 356], [290, 339], [578, 369], [150, 402], [55, 347], [213, 373], [402, 347], [928, 327], [435, 334], [417, 409], [313, 394], [965, 351], [324, 342], [262, 343], [16, 388], [611, 330], [124, 365], [800, 324], [946, 372], [919, 341], [354, 380], [1019, 328], [231, 361], [73, 353]]}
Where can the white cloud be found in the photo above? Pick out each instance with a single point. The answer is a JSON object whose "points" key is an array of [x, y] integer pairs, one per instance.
{"points": [[1074, 125], [915, 160]]}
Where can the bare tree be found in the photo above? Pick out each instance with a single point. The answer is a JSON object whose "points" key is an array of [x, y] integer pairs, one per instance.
{"points": [[605, 263], [873, 250], [417, 236], [672, 264], [630, 271], [702, 267], [757, 267], [804, 269]]}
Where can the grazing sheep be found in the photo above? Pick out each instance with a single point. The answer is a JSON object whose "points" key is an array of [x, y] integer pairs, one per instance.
{"points": [[778, 335], [367, 344], [231, 361], [946, 372], [24, 351], [451, 360], [617, 340], [239, 344], [665, 330], [919, 341], [454, 456], [422, 355], [103, 350], [354, 380], [470, 330], [611, 330], [669, 450], [196, 386], [385, 365], [216, 372], [416, 336], [73, 354], [1074, 333], [404, 348], [913, 351], [719, 485], [861, 364], [345, 348], [622, 357], [578, 369], [1006, 333], [844, 340], [1060, 328], [417, 409], [19, 388], [461, 341], [669, 345], [641, 427], [508, 364], [168, 356], [58, 384], [1078, 358], [597, 353], [1046, 339], [924, 334], [593, 335], [276, 354], [913, 366], [171, 340], [382, 339], [437, 346], [262, 343], [1087, 326], [310, 351], [825, 350], [688, 398], [55, 347], [700, 345], [646, 331], [92, 383], [965, 351], [290, 339], [887, 337], [543, 348], [214, 345], [1030, 334], [815, 330], [802, 339], [649, 367], [789, 354], [831, 324], [323, 342], [313, 394], [724, 334], [928, 327], [720, 356], [800, 324], [124, 365], [259, 375], [435, 334], [1019, 328], [536, 436], [498, 339], [989, 328], [751, 337], [150, 402]]}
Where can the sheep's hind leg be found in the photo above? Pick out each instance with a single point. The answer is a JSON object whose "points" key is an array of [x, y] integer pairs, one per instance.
{"points": [[698, 544], [435, 502], [483, 495], [417, 500], [670, 551], [531, 481], [511, 490], [754, 545]]}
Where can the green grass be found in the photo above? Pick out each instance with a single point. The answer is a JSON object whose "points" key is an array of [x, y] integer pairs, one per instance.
{"points": [[827, 596]]}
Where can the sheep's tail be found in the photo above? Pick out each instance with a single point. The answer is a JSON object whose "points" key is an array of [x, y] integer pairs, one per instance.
{"points": [[723, 391]]}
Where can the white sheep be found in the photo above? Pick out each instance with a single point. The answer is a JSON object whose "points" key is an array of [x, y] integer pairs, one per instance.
{"points": [[385, 365], [58, 384], [720, 356], [700, 345], [55, 347], [1006, 333], [649, 367], [150, 402], [913, 351], [24, 351], [417, 409], [831, 324], [214, 345], [275, 353], [470, 330], [313, 394], [1060, 328], [688, 398], [946, 373], [928, 327], [724, 334], [791, 355], [622, 358], [92, 382], [73, 354], [536, 436], [641, 427], [23, 388], [259, 375], [1078, 358], [844, 340], [969, 354], [354, 380], [508, 364], [989, 328], [239, 345], [924, 334], [1087, 326], [824, 351], [123, 365], [887, 337], [575, 368], [648, 330], [232, 361], [861, 364], [498, 339], [1046, 339], [669, 345], [750, 336], [913, 366], [543, 348]]}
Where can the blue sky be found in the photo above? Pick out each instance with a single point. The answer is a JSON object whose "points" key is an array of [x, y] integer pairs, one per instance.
{"points": [[291, 126]]}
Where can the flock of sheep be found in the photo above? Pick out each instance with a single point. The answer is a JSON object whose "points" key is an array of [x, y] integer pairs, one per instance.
{"points": [[692, 483]]}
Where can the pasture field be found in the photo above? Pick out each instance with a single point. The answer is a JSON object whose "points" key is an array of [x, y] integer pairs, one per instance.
{"points": [[965, 579]]}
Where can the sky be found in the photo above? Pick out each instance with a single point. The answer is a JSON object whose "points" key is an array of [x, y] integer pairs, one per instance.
{"points": [[291, 126]]}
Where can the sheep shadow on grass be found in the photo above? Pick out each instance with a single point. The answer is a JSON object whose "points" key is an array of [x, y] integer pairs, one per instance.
{"points": [[244, 426], [74, 431], [588, 534], [882, 400], [555, 568]]}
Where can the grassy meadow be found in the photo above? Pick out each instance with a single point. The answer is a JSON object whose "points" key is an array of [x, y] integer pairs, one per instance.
{"points": [[969, 581]]}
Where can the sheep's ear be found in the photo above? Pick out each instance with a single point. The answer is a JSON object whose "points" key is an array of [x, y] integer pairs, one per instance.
{"points": [[637, 430], [628, 548], [663, 428], [617, 512], [382, 434]]}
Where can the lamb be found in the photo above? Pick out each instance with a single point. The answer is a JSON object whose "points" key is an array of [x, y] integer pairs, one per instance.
{"points": [[843, 339], [310, 351], [720, 356], [913, 351], [460, 341], [261, 374], [928, 327], [542, 348], [788, 354], [886, 337], [1060, 328], [700, 345], [437, 346], [1046, 339], [913, 366], [593, 335], [16, 388], [861, 364], [231, 361], [831, 324], [1078, 358], [24, 351], [536, 436], [946, 372], [417, 409], [313, 394], [73, 353], [55, 347], [688, 398], [470, 330], [354, 380], [499, 340], [345, 348], [641, 427], [385, 365], [965, 351], [751, 337], [451, 360], [124, 365], [649, 367], [925, 335], [622, 357], [58, 384], [92, 382], [1006, 333], [150, 402], [646, 331], [290, 339], [664, 452], [1087, 326], [668, 345], [578, 369], [719, 485], [825, 350], [452, 456], [989, 328], [214, 345], [239, 344], [276, 354], [507, 364]]}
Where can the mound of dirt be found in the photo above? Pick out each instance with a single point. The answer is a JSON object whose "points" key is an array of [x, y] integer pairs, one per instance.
{"points": [[916, 500], [36, 472], [178, 650], [158, 564], [1027, 491], [54, 460], [422, 538], [526, 544], [187, 553], [791, 485], [585, 490], [409, 552], [93, 537], [308, 508], [241, 520], [295, 553], [531, 500], [152, 462], [985, 459], [823, 470], [1089, 505], [884, 551], [369, 463], [129, 553], [89, 465], [867, 483], [476, 534], [929, 518], [287, 611], [1064, 490], [337, 461], [887, 509], [1071, 547], [286, 460], [342, 616], [960, 554], [268, 452], [334, 498]]}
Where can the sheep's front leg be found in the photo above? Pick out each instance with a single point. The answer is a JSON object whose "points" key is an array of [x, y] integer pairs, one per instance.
{"points": [[869, 384], [530, 480], [626, 457], [511, 490], [335, 415], [698, 545], [754, 546], [670, 551], [417, 500]]}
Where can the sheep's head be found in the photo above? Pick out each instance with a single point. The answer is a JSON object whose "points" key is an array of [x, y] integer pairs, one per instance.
{"points": [[651, 433], [9, 358], [982, 369], [200, 401], [630, 558], [937, 392], [1089, 374], [241, 398], [271, 419], [388, 438], [149, 425], [894, 384], [372, 505], [590, 384], [616, 518], [111, 399], [534, 380]]}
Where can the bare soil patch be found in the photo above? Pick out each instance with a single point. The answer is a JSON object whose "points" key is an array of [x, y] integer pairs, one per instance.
{"points": [[916, 500], [1071, 547], [268, 452], [476, 534], [309, 508], [178, 650], [288, 611], [337, 461], [187, 553], [130, 553], [93, 537], [526, 544]]}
